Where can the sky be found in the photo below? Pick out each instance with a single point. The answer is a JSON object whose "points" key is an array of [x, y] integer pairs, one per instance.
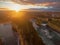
{"points": [[54, 3], [35, 1], [49, 3]]}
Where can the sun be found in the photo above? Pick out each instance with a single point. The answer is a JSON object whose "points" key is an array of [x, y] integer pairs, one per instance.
{"points": [[15, 7], [11, 5]]}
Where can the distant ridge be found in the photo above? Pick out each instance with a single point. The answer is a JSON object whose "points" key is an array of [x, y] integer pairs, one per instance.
{"points": [[4, 9]]}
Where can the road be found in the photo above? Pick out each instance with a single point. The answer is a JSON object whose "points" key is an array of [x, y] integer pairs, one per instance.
{"points": [[48, 35]]}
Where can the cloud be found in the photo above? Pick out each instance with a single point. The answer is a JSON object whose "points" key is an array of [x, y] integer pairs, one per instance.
{"points": [[53, 3], [35, 1]]}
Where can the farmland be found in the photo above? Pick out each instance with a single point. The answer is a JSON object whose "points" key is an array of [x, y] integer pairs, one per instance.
{"points": [[27, 34]]}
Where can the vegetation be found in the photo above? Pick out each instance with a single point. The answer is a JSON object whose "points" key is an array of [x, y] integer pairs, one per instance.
{"points": [[27, 34], [55, 24]]}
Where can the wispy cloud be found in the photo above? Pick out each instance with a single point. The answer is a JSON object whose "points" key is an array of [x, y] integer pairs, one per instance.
{"points": [[52, 3], [35, 1]]}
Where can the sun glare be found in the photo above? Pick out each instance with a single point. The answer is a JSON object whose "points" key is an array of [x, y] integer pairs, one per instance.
{"points": [[10, 5], [16, 7]]}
